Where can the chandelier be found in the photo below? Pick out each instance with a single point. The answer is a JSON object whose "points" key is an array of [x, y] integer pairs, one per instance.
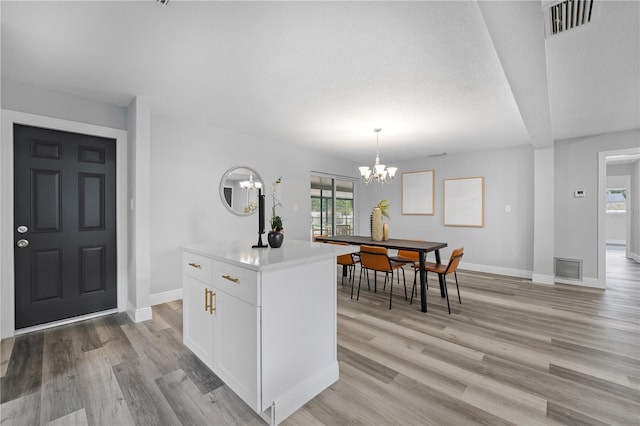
{"points": [[250, 184], [379, 172]]}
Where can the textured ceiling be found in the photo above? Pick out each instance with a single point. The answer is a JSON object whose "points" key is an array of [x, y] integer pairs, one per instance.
{"points": [[436, 76], [600, 64]]}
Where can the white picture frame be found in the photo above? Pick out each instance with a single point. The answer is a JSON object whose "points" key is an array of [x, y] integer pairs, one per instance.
{"points": [[464, 202], [417, 193]]}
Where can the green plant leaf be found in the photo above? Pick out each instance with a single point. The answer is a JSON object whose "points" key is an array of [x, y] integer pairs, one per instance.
{"points": [[383, 205], [276, 223]]}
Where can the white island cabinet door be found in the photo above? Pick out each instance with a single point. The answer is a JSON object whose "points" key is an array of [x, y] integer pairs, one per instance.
{"points": [[198, 319], [237, 347]]}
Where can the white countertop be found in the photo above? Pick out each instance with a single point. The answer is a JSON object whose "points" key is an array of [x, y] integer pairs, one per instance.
{"points": [[241, 254]]}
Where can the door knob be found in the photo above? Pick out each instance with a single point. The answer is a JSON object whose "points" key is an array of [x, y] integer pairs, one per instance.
{"points": [[22, 229], [23, 243]]}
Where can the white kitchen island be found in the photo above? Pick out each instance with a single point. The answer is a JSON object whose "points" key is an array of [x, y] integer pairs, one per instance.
{"points": [[264, 320]]}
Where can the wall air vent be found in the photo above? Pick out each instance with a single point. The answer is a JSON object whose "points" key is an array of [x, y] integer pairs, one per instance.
{"points": [[568, 14], [570, 269]]}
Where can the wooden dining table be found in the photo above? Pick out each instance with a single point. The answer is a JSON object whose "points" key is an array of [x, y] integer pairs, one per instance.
{"points": [[422, 247]]}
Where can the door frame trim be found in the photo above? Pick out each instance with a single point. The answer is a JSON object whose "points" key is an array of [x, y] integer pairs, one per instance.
{"points": [[602, 211], [7, 272]]}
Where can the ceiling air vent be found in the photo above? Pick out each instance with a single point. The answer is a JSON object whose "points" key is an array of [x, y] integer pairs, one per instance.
{"points": [[568, 14]]}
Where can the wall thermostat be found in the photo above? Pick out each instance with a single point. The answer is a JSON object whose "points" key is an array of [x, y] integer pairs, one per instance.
{"points": [[579, 193]]}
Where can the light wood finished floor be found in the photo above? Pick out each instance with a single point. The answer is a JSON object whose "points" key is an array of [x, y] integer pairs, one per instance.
{"points": [[512, 353]]}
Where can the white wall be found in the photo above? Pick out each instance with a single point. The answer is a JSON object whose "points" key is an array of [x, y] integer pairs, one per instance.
{"points": [[49, 103], [576, 219], [543, 216], [138, 209], [505, 243], [187, 163]]}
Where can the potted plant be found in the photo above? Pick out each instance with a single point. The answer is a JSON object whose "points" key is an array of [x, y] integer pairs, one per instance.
{"points": [[276, 224], [276, 235]]}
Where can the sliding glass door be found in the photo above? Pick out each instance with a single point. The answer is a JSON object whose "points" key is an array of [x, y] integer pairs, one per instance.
{"points": [[344, 207], [331, 206]]}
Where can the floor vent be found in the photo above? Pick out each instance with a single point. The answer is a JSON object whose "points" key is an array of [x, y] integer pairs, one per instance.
{"points": [[568, 14], [570, 269]]}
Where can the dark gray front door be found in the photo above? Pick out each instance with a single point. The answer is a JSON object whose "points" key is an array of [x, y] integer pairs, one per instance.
{"points": [[64, 224]]}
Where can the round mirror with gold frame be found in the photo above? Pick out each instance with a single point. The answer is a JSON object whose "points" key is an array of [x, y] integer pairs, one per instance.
{"points": [[239, 190]]}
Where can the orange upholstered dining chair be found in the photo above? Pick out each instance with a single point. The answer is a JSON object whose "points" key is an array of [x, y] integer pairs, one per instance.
{"points": [[406, 256], [443, 270], [348, 260], [409, 257], [377, 260]]}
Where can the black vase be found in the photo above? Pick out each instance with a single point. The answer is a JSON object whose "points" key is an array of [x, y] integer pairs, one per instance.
{"points": [[275, 239]]}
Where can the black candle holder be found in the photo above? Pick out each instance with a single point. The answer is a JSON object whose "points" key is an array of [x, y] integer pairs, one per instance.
{"points": [[260, 220]]}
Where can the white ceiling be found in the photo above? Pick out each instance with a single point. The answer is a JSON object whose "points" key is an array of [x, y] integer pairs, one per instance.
{"points": [[438, 77]]}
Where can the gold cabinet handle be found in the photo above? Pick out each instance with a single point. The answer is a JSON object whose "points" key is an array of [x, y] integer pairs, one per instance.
{"points": [[195, 265], [230, 278], [208, 300]]}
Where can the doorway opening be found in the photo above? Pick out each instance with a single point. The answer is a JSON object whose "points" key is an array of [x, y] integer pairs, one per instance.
{"points": [[618, 236]]}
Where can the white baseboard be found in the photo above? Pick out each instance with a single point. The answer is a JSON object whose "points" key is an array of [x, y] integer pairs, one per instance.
{"points": [[280, 410], [164, 297], [635, 256], [138, 315], [542, 279], [520, 273], [536, 278], [586, 282], [616, 242]]}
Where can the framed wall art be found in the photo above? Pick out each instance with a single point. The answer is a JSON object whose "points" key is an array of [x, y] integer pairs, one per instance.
{"points": [[417, 192], [464, 202]]}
